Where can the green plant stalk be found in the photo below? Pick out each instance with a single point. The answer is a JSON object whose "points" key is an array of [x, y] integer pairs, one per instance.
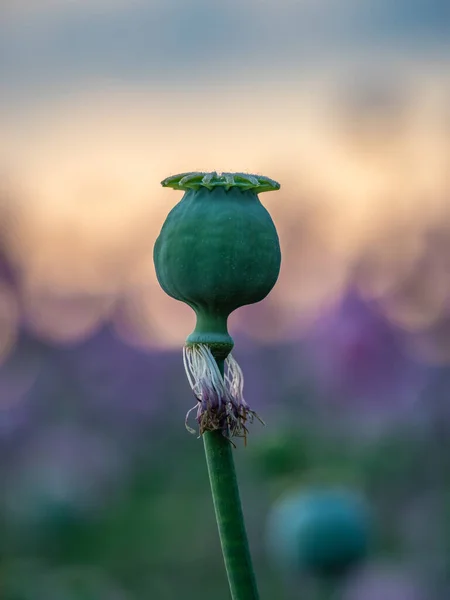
{"points": [[229, 516]]}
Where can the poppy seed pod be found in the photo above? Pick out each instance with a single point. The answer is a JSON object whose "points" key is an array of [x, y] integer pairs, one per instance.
{"points": [[218, 250], [321, 532]]}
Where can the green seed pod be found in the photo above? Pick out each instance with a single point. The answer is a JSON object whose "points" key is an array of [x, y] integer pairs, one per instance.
{"points": [[218, 250], [322, 532]]}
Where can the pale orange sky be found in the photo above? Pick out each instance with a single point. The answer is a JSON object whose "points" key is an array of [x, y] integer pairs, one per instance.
{"points": [[84, 182]]}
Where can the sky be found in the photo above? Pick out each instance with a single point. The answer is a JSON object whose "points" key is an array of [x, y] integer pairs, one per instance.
{"points": [[58, 43], [345, 102]]}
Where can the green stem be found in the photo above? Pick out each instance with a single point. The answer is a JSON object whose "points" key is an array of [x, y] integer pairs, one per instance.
{"points": [[211, 329], [230, 520]]}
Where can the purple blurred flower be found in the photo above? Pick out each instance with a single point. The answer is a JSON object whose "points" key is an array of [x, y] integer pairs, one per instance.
{"points": [[122, 382], [62, 466], [378, 582], [357, 359], [18, 377]]}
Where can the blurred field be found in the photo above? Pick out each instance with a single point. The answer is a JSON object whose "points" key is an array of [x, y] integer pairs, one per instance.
{"points": [[104, 494]]}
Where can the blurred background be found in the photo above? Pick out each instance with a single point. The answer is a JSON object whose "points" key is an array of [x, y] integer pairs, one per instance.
{"points": [[104, 494]]}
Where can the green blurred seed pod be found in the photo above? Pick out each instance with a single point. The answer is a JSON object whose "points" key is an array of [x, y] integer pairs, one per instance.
{"points": [[319, 532]]}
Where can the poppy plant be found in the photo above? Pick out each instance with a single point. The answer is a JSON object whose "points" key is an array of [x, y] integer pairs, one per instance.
{"points": [[218, 250]]}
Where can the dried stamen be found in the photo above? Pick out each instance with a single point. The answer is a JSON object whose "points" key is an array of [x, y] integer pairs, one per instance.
{"points": [[220, 401]]}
